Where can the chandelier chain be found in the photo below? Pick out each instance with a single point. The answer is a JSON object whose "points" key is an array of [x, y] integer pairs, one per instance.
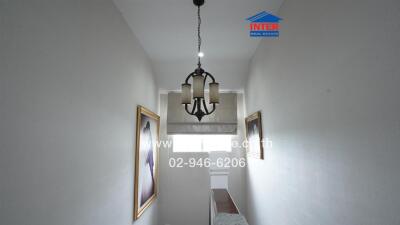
{"points": [[198, 35]]}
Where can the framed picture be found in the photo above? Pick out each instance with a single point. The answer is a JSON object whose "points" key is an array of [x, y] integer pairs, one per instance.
{"points": [[254, 136], [146, 159]]}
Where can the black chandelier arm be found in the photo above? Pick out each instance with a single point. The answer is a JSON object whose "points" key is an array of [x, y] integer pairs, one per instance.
{"points": [[209, 75], [188, 77], [213, 108], [195, 104], [206, 109], [186, 109]]}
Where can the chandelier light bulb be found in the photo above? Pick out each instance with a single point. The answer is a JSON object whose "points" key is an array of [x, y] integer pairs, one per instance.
{"points": [[201, 54]]}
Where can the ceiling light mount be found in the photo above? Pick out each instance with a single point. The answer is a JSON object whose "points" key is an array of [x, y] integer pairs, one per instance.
{"points": [[198, 2]]}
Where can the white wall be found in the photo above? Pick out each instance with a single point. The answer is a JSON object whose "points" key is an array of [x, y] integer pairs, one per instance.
{"points": [[328, 90], [71, 76], [237, 175], [184, 192]]}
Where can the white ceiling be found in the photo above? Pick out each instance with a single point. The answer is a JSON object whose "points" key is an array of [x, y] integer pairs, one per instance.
{"points": [[167, 31]]}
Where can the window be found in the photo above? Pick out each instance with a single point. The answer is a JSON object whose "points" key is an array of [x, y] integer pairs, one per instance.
{"points": [[201, 143]]}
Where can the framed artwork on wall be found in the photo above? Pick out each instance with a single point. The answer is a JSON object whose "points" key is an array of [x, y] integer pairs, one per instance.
{"points": [[254, 136], [146, 160]]}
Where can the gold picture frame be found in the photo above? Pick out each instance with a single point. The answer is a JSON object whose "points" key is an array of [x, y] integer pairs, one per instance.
{"points": [[146, 160], [254, 136]]}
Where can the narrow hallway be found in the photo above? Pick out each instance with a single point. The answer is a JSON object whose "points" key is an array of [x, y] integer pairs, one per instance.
{"points": [[256, 112]]}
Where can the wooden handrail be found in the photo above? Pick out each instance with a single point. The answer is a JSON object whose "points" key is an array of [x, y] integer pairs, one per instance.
{"points": [[223, 208], [223, 202]]}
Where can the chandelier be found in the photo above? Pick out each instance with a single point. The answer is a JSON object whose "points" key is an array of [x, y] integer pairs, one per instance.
{"points": [[199, 79]]}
